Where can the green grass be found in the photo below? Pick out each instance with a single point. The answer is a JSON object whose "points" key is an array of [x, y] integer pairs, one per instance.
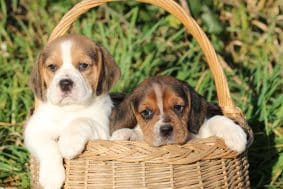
{"points": [[145, 41]]}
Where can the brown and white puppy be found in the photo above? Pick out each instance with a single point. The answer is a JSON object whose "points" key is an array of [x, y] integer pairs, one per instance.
{"points": [[71, 77], [163, 110]]}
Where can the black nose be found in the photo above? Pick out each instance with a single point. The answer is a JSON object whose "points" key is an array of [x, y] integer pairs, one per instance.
{"points": [[66, 85], [166, 130]]}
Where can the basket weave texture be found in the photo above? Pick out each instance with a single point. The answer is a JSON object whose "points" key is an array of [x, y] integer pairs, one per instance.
{"points": [[201, 163]]}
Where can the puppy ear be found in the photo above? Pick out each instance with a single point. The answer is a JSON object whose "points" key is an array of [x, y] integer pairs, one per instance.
{"points": [[109, 72], [36, 82], [123, 116], [200, 109]]}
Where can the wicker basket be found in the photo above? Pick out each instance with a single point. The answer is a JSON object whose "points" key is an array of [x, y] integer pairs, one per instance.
{"points": [[202, 163]]}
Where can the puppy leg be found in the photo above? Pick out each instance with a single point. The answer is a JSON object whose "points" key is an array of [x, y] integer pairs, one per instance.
{"points": [[73, 138], [234, 136], [126, 134], [45, 149]]}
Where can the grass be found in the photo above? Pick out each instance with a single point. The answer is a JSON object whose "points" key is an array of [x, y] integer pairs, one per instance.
{"points": [[144, 41]]}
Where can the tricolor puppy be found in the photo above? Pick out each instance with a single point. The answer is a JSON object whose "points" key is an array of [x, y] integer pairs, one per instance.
{"points": [[71, 77], [163, 110]]}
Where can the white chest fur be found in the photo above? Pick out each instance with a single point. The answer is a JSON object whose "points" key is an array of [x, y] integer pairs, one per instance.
{"points": [[54, 132], [52, 120]]}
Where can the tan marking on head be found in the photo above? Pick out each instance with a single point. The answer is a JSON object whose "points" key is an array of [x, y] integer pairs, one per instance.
{"points": [[41, 75], [161, 94], [102, 72], [85, 51], [177, 120]]}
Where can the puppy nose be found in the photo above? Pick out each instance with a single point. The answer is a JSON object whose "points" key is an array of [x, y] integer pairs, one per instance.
{"points": [[166, 130], [66, 85]]}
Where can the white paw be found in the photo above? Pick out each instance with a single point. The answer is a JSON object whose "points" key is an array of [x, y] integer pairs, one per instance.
{"points": [[234, 136], [52, 176], [124, 134], [71, 144], [236, 141]]}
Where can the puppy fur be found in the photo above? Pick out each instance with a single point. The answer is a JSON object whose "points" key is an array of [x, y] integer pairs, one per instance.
{"points": [[71, 78], [163, 110]]}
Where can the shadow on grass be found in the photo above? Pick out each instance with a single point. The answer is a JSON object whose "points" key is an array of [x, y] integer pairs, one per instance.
{"points": [[262, 156]]}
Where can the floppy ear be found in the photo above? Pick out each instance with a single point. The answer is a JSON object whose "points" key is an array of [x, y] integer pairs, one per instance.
{"points": [[36, 82], [109, 72], [123, 116], [200, 109], [117, 98]]}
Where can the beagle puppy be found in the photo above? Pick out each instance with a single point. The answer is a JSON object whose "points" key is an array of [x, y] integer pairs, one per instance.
{"points": [[163, 110], [72, 78]]}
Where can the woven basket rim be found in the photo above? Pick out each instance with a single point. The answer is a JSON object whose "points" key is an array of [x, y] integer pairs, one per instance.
{"points": [[139, 151]]}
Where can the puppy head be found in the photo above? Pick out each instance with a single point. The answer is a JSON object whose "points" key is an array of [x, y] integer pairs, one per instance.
{"points": [[165, 109], [71, 70]]}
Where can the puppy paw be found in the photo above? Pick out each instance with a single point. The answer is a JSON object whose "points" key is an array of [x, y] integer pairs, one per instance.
{"points": [[52, 176], [71, 144], [236, 141], [124, 134], [234, 136]]}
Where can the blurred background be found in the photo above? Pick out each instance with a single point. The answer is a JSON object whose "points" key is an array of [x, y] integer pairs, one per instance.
{"points": [[145, 41]]}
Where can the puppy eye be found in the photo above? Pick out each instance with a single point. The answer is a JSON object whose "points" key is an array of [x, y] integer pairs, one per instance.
{"points": [[178, 108], [52, 67], [83, 66], [147, 114]]}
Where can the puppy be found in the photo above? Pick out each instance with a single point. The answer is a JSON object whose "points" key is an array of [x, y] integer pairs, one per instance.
{"points": [[71, 77], [163, 110]]}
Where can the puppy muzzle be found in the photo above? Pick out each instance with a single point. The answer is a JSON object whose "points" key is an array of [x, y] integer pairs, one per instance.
{"points": [[69, 87]]}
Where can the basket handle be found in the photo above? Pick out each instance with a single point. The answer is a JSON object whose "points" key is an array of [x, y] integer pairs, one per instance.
{"points": [[224, 98]]}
